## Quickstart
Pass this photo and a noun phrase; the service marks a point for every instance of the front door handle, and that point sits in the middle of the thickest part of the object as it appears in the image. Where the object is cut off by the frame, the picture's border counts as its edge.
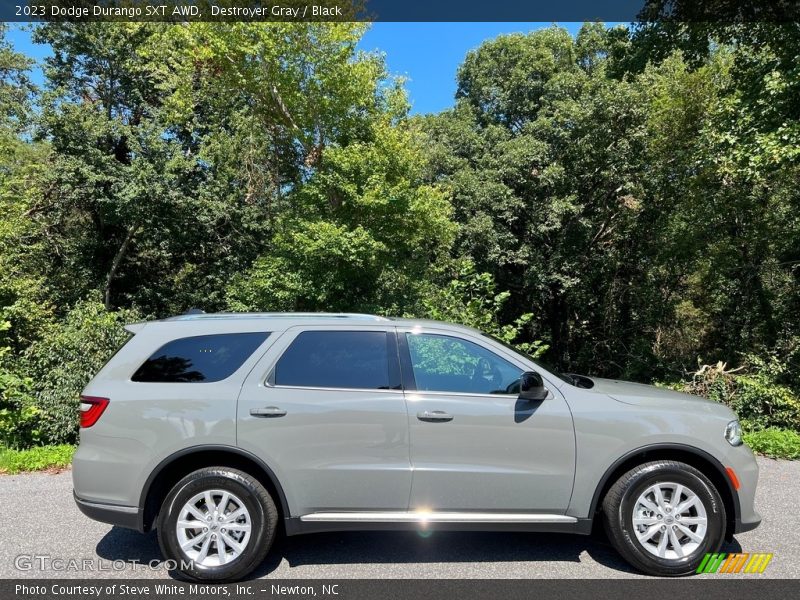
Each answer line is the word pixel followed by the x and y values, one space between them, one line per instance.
pixel 267 412
pixel 434 416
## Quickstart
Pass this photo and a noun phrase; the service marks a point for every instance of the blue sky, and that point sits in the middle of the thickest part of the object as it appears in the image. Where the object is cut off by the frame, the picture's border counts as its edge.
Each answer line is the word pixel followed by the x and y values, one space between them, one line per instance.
pixel 427 54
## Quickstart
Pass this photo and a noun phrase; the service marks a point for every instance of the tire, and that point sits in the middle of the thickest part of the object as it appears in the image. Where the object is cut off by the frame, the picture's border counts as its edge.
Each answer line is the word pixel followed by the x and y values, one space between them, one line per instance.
pixel 236 538
pixel 634 495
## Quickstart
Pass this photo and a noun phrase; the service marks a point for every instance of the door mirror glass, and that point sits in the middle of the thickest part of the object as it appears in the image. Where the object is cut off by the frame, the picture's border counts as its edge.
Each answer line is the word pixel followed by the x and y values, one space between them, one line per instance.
pixel 531 386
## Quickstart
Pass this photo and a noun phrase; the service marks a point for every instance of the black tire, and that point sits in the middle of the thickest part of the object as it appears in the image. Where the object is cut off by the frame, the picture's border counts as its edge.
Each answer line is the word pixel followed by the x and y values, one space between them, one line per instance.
pixel 259 504
pixel 618 507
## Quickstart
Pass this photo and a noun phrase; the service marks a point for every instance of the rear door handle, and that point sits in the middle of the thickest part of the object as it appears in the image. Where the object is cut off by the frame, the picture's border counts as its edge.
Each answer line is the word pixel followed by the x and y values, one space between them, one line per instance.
pixel 434 416
pixel 267 411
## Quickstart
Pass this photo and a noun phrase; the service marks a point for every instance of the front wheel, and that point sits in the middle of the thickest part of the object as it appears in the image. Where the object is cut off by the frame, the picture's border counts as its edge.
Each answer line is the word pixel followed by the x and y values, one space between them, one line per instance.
pixel 663 517
pixel 217 524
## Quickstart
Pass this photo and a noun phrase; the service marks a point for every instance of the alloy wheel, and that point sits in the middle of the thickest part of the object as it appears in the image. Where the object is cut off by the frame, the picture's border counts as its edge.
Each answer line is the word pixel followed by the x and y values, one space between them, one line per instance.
pixel 213 528
pixel 670 520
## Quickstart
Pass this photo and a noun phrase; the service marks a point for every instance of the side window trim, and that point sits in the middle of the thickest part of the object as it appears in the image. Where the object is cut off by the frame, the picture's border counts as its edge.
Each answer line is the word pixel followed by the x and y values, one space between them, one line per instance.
pixel 406 366
pixel 393 355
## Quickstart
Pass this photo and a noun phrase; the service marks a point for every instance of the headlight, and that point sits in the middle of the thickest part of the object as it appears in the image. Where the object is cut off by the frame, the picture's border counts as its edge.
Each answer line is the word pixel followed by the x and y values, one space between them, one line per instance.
pixel 733 433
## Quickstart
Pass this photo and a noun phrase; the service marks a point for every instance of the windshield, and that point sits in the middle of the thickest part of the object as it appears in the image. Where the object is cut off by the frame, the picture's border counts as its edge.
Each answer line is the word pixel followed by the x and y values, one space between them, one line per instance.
pixel 549 368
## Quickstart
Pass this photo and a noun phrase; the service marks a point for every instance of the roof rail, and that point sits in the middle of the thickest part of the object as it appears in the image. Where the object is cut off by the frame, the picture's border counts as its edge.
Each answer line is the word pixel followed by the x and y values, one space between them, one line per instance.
pixel 200 315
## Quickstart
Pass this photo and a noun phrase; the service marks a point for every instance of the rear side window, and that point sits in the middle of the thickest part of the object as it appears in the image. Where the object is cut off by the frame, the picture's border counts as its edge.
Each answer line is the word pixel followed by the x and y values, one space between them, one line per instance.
pixel 199 359
pixel 336 359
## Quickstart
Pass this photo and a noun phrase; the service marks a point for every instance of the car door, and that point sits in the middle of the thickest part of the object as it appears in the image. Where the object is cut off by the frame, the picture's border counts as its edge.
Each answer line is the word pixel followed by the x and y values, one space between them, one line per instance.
pixel 325 411
pixel 474 444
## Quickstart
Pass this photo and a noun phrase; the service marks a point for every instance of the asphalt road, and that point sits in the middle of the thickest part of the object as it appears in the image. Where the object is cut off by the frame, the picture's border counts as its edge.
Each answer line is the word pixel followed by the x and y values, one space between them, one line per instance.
pixel 39 518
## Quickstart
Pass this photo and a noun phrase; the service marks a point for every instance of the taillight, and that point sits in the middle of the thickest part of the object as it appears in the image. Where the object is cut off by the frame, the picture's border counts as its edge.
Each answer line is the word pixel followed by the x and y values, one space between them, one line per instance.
pixel 91 409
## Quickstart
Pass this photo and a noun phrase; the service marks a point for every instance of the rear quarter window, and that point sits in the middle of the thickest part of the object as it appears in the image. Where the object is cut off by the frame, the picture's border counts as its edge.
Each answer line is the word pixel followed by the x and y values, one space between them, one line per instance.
pixel 199 359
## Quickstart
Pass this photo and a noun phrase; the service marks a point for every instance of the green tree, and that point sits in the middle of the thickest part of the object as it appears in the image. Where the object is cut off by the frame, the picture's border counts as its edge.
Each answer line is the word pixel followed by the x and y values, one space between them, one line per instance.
pixel 634 189
pixel 120 190
pixel 353 225
pixel 23 300
pixel 541 156
pixel 366 234
pixel 724 139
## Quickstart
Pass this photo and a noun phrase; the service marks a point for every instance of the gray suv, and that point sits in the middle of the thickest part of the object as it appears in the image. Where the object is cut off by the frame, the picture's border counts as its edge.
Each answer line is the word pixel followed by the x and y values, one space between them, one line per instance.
pixel 217 429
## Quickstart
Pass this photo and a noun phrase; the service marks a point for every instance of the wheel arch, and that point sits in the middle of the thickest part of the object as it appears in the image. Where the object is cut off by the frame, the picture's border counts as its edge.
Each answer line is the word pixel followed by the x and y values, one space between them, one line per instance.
pixel 699 459
pixel 174 467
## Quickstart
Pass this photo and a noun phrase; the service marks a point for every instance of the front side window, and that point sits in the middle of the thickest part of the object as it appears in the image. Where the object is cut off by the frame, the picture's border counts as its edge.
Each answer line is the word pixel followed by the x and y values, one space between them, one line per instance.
pixel 200 358
pixel 336 359
pixel 447 364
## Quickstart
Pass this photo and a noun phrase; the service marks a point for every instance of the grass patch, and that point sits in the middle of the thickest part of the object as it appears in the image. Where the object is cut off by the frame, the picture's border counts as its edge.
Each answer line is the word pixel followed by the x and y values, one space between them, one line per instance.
pixel 775 443
pixel 35 459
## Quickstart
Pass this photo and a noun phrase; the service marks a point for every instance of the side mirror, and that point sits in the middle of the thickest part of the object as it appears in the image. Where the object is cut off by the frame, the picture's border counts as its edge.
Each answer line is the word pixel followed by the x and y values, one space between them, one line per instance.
pixel 531 387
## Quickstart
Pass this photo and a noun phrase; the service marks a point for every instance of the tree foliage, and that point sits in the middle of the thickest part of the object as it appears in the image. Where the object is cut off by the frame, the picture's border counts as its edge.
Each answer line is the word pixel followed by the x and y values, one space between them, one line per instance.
pixel 65 359
pixel 645 211
pixel 624 202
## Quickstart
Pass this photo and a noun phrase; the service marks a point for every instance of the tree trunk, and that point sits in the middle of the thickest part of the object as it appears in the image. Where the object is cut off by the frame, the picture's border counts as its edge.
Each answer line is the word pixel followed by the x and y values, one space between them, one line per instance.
pixel 116 263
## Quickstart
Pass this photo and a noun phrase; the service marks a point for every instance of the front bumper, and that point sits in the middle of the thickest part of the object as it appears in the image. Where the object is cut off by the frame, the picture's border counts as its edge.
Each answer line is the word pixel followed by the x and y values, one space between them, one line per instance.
pixel 743 526
pixel 744 464
pixel 129 517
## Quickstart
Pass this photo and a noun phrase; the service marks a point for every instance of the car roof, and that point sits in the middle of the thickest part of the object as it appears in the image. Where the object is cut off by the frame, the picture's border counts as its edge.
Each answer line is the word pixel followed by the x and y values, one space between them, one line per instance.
pixel 290 319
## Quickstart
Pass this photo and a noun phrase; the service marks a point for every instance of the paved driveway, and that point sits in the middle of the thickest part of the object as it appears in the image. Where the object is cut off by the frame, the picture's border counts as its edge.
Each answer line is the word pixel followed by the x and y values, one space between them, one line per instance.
pixel 39 518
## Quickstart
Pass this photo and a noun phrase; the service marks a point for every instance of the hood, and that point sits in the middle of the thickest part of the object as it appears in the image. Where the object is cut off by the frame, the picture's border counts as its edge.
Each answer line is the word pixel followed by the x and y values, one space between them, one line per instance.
pixel 639 394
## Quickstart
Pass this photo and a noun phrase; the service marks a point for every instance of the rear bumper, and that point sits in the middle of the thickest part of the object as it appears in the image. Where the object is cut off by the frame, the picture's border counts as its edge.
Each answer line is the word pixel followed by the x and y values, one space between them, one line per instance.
pixel 129 517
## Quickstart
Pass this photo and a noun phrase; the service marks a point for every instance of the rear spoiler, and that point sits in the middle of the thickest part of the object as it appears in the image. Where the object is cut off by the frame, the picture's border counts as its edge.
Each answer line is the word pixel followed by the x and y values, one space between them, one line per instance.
pixel 135 328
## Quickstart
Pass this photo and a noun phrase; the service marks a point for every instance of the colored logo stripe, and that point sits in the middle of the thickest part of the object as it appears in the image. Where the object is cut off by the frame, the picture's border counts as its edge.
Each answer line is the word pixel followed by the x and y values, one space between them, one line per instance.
pixel 703 564
pixel 734 563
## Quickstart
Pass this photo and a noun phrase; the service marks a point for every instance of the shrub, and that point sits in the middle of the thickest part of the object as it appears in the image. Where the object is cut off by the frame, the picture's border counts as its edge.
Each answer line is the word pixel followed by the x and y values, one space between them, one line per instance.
pixel 18 415
pixel 774 442
pixel 35 459
pixel 755 391
pixel 66 358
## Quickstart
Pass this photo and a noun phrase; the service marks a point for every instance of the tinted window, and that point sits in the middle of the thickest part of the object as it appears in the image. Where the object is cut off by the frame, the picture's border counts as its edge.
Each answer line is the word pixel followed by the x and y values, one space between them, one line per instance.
pixel 336 359
pixel 447 364
pixel 202 358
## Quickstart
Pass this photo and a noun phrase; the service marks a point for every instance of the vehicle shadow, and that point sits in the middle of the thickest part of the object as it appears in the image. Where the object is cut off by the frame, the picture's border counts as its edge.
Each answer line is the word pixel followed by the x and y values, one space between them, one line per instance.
pixel 353 548
pixel 364 548
pixel 129 546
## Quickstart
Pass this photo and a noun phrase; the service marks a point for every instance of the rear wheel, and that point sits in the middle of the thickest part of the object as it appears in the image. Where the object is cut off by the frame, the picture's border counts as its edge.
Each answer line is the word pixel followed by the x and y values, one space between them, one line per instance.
pixel 217 524
pixel 663 517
